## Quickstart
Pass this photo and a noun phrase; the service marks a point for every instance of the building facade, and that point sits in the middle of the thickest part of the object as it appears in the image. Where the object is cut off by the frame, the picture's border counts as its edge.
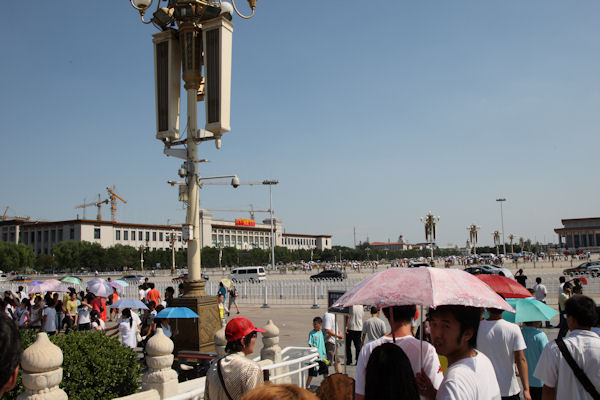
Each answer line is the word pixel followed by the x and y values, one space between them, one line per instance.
pixel 241 234
pixel 579 233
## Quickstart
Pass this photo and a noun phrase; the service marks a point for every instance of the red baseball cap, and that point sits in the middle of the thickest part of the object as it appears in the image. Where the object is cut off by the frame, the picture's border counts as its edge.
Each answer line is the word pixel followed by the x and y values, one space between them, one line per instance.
pixel 239 327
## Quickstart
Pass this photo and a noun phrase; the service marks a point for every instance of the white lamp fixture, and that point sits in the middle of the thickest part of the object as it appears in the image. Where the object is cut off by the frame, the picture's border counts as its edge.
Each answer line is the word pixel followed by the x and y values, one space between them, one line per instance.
pixel 217 37
pixel 167 71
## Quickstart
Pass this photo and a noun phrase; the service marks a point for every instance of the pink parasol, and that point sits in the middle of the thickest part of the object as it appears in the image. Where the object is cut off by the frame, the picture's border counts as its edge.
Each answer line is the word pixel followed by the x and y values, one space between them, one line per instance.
pixel 50 285
pixel 425 286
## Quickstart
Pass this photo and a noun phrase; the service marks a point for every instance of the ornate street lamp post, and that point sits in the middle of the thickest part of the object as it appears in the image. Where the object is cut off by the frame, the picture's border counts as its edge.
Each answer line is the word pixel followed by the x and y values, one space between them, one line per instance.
pixel 496 236
pixel 195 44
pixel 473 236
pixel 502 200
pixel 430 222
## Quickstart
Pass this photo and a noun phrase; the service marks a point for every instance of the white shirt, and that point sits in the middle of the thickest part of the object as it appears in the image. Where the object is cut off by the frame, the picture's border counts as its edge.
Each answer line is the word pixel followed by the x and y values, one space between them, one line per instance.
pixel 356 318
pixel 50 324
pixel 411 346
pixel 470 378
pixel 499 340
pixel 554 371
pixel 99 326
pixel 329 323
pixel 128 333
pixel 540 292
pixel 83 316
pixel 142 294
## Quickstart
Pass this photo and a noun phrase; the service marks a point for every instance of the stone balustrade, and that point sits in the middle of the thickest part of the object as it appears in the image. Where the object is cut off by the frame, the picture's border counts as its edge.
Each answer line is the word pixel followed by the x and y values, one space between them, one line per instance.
pixel 42 373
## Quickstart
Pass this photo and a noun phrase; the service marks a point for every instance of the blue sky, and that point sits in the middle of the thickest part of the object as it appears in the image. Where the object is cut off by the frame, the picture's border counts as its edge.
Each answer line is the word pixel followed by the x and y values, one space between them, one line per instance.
pixel 369 115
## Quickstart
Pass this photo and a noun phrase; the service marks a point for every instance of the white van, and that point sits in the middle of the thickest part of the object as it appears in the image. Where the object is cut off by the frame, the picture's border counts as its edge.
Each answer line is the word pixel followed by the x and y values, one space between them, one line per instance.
pixel 252 274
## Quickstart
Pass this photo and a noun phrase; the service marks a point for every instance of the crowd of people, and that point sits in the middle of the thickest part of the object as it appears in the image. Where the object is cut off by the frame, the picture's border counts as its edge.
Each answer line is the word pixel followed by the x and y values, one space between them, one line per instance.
pixel 465 352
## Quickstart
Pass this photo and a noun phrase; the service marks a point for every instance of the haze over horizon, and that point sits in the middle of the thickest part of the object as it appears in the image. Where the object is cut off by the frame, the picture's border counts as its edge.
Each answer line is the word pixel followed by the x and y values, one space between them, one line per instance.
pixel 368 116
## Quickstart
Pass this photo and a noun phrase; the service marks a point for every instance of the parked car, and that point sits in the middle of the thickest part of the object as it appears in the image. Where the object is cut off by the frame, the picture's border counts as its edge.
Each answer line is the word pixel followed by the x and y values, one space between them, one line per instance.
pixel 328 274
pixel 594 270
pixel 482 269
pixel 418 264
pixel 252 274
pixel 184 277
pixel 138 279
pixel 21 278
pixel 499 269
pixel 581 269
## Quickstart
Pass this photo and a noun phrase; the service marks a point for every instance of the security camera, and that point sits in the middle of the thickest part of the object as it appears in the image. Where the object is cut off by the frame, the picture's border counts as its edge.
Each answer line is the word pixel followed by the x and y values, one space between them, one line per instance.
pixel 235 181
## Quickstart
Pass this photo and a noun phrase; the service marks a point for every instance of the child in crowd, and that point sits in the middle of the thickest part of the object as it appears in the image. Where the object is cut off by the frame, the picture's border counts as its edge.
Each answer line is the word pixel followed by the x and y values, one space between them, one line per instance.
pixel 317 340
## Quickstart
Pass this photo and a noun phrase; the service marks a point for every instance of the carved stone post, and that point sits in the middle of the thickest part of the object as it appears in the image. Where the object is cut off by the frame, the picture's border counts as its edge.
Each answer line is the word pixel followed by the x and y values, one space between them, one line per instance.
pixel 159 359
pixel 42 372
pixel 220 342
pixel 271 350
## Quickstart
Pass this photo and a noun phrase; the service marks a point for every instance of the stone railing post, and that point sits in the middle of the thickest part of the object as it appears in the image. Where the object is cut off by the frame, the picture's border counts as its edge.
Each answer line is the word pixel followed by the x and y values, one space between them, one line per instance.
pixel 42 372
pixel 220 342
pixel 159 359
pixel 271 350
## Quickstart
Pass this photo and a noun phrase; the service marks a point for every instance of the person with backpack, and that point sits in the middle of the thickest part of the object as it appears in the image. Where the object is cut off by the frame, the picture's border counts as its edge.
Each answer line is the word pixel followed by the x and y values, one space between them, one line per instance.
pixel 233 294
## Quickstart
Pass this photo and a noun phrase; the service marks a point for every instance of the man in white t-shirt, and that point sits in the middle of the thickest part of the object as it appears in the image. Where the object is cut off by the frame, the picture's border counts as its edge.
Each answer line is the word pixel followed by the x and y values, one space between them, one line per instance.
pixel 583 345
pixel 49 318
pixel 402 331
pixel 502 342
pixel 540 293
pixel 540 290
pixel 470 374
pixel 330 330
pixel 354 325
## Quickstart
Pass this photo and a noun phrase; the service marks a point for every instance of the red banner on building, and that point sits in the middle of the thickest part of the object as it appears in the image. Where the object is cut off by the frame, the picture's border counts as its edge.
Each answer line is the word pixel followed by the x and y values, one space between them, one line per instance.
pixel 245 222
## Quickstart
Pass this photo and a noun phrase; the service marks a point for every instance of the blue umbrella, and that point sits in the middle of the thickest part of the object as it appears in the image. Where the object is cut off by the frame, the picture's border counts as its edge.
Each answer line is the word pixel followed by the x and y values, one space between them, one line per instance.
pixel 177 312
pixel 528 310
pixel 129 303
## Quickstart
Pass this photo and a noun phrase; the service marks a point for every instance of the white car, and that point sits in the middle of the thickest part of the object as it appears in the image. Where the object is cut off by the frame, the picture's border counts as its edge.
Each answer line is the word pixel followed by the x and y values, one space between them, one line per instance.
pixel 505 271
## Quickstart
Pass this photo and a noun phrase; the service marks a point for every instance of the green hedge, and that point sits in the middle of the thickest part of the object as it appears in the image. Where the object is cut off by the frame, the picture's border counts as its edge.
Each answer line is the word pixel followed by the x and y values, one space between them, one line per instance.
pixel 95 367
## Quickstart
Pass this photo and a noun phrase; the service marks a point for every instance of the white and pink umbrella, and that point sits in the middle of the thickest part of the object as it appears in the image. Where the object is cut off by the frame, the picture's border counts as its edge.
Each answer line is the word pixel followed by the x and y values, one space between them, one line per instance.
pixel 100 287
pixel 424 286
pixel 50 285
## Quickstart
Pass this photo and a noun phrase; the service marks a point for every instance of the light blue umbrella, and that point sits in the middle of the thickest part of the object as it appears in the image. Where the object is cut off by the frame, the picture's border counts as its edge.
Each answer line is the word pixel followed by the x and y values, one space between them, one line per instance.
pixel 528 310
pixel 177 312
pixel 121 282
pixel 129 303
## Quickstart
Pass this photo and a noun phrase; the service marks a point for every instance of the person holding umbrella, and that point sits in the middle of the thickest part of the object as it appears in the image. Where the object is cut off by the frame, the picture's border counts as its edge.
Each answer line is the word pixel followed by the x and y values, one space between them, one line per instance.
pixel 400 319
pixel 470 374
pixel 231 376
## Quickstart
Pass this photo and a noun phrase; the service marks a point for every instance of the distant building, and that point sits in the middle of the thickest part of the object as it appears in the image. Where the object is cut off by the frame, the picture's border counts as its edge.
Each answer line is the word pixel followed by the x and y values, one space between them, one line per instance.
pixel 242 234
pixel 579 233
pixel 400 245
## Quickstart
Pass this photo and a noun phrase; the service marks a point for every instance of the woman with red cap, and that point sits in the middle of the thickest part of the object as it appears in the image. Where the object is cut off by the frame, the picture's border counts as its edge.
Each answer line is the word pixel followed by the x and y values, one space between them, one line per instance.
pixel 231 376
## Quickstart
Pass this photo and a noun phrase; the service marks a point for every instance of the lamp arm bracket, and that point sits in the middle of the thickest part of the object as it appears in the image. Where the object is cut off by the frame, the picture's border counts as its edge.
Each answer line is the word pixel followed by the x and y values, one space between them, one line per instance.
pixel 240 14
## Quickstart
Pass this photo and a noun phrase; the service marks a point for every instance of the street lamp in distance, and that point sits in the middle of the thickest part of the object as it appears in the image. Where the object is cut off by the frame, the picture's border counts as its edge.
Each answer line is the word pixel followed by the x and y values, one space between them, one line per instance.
pixel 502 200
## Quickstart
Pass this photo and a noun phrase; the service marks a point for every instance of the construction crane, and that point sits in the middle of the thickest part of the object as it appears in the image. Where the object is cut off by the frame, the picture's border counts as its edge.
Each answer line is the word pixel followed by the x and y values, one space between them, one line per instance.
pixel 4 217
pixel 97 204
pixel 251 211
pixel 113 202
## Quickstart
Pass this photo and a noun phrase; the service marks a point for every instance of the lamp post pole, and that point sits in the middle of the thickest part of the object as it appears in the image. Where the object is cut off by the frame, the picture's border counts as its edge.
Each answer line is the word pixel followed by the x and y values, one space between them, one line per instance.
pixel 430 231
pixel 473 236
pixel 502 200
pixel 271 183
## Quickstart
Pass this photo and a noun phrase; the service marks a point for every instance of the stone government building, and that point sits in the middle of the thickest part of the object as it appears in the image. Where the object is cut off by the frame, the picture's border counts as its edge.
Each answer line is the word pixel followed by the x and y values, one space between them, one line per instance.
pixel 241 234
pixel 579 233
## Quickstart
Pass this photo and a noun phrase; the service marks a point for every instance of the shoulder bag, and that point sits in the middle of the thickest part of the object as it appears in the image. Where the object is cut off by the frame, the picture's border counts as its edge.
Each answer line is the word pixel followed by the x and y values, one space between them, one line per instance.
pixel 222 380
pixel 581 376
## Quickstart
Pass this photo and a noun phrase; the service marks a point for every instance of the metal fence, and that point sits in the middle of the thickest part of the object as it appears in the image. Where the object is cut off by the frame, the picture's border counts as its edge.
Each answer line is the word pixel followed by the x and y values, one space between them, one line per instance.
pixel 300 290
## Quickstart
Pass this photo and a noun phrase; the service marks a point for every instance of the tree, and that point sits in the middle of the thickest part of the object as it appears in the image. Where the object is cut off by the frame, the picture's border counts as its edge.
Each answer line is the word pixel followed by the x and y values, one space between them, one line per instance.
pixel 16 257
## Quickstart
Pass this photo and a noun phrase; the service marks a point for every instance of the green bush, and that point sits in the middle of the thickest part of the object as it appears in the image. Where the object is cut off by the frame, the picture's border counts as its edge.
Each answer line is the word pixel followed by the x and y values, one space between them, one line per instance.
pixel 94 366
